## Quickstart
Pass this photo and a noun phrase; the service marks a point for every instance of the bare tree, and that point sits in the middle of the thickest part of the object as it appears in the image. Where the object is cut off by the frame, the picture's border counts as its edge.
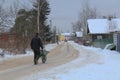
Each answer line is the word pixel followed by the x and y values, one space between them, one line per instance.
pixel 14 9
pixel 3 18
pixel 77 26
pixel 86 13
pixel 7 18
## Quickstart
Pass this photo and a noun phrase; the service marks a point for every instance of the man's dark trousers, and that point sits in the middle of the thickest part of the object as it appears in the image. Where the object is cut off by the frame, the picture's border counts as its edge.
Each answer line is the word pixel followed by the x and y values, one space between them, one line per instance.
pixel 36 55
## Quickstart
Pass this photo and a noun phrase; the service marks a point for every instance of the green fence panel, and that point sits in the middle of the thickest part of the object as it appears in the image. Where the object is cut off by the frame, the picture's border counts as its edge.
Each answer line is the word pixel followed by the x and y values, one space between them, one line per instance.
pixel 101 43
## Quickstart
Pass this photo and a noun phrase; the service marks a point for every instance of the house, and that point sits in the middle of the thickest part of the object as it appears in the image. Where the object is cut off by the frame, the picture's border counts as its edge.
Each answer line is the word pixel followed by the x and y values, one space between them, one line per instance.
pixel 61 37
pixel 79 34
pixel 99 32
pixel 79 37
pixel 67 36
pixel 104 31
pixel 7 40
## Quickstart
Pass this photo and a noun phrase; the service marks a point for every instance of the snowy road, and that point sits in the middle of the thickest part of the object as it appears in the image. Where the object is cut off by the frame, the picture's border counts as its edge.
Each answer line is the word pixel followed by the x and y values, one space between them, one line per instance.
pixel 13 69
pixel 68 61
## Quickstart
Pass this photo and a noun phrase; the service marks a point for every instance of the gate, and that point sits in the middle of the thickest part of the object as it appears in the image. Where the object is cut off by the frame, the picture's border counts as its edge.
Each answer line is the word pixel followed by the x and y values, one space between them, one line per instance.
pixel 118 43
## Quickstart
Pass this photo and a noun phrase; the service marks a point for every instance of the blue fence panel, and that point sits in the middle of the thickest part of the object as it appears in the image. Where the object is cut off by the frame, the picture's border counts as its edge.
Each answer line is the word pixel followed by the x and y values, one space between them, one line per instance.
pixel 118 43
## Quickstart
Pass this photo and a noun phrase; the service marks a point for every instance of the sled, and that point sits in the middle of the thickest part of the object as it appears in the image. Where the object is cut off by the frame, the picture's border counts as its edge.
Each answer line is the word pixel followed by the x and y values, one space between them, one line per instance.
pixel 43 55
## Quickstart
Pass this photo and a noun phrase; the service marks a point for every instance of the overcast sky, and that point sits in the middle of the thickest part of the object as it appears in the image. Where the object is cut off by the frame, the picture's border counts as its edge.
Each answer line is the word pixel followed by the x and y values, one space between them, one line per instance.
pixel 65 12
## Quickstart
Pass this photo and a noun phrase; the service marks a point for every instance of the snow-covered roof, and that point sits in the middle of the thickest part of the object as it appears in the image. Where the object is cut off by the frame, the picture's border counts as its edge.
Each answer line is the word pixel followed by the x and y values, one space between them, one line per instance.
pixel 66 34
pixel 79 34
pixel 103 26
pixel 97 26
pixel 114 25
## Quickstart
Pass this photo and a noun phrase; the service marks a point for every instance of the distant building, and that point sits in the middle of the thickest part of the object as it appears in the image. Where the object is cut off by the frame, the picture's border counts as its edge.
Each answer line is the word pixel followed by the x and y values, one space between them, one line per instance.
pixel 7 40
pixel 79 34
pixel 66 36
pixel 61 37
pixel 78 37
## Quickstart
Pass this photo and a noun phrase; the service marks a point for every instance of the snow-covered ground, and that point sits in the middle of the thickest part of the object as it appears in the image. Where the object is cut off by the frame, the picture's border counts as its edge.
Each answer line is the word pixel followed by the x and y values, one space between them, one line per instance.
pixel 28 52
pixel 108 67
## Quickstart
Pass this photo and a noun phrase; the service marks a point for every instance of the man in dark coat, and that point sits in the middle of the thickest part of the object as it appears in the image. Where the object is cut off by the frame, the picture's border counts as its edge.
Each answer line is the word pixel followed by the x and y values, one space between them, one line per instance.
pixel 36 44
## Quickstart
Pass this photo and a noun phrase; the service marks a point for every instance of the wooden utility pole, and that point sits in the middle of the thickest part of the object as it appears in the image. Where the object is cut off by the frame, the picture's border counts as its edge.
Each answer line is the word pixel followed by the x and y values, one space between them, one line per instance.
pixel 38 19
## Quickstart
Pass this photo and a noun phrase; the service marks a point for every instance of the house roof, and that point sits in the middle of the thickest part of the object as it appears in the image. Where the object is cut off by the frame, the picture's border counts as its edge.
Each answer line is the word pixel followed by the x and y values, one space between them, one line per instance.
pixel 66 34
pixel 97 26
pixel 114 25
pixel 103 26
pixel 79 34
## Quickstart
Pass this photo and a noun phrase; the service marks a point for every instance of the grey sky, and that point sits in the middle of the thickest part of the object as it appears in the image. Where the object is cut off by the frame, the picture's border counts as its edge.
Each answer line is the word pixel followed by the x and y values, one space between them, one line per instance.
pixel 64 12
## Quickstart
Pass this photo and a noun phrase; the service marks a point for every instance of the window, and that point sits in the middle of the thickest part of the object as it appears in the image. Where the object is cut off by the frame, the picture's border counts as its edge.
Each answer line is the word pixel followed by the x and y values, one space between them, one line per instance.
pixel 99 37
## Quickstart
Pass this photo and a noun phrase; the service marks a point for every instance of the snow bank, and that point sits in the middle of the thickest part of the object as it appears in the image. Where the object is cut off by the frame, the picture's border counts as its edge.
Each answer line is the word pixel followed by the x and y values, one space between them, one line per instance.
pixel 28 52
pixel 108 69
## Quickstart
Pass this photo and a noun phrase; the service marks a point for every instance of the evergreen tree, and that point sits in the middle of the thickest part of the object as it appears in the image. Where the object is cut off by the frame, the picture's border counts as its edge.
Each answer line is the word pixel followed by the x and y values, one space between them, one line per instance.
pixel 26 23
pixel 27 20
